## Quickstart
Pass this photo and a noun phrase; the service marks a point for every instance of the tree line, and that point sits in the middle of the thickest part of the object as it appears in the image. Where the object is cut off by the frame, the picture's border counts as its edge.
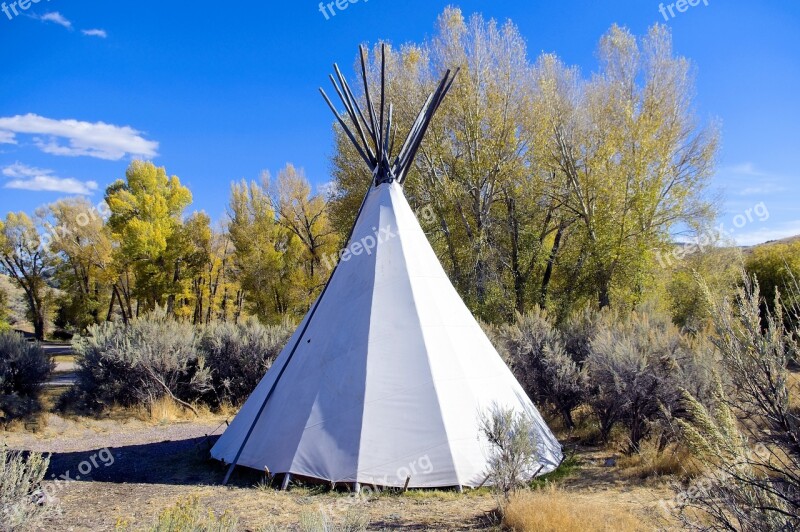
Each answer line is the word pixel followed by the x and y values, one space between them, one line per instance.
pixel 79 264
pixel 543 188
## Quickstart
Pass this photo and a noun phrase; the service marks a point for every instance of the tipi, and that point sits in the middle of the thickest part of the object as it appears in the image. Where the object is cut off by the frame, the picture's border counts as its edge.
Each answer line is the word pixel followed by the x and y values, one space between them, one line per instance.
pixel 386 378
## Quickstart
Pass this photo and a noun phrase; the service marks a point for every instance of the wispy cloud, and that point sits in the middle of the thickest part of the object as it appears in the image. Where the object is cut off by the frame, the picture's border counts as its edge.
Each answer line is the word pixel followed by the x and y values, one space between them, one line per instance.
pixel 95 33
pixel 24 177
pixel 56 18
pixel 91 139
pixel 762 190
pixel 7 137
pixel 747 179
pixel 747 168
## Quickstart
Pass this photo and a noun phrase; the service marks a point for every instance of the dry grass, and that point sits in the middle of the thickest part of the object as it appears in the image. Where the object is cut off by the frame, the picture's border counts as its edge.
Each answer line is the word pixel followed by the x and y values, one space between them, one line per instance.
pixel 794 391
pixel 164 411
pixel 675 460
pixel 64 359
pixel 555 510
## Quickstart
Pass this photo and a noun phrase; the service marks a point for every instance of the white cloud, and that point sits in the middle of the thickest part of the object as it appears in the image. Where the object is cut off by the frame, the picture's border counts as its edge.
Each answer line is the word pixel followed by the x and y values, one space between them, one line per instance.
pixel 7 137
pixel 747 179
pixel 91 139
pixel 26 177
pixel 23 170
pixel 745 169
pixel 95 33
pixel 766 234
pixel 762 190
pixel 56 18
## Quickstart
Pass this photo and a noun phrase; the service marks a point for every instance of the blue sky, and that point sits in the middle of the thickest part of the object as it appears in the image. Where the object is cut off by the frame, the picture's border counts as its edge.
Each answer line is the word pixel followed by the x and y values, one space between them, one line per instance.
pixel 220 91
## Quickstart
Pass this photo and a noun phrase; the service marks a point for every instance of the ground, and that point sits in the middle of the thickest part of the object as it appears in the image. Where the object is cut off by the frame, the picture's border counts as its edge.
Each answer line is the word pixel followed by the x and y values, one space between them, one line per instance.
pixel 149 465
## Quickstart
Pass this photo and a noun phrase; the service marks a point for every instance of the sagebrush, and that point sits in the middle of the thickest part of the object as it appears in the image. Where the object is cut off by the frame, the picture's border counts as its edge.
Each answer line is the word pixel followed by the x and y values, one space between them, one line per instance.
pixel 239 355
pixel 141 362
pixel 24 368
pixel 23 502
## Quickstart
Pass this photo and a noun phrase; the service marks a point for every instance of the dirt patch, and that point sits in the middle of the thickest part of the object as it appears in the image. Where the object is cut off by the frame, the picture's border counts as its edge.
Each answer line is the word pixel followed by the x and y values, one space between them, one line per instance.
pixel 131 470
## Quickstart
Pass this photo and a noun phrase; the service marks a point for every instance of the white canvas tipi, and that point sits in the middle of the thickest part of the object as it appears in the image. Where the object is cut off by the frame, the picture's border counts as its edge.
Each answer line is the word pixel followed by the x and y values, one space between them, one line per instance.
pixel 386 379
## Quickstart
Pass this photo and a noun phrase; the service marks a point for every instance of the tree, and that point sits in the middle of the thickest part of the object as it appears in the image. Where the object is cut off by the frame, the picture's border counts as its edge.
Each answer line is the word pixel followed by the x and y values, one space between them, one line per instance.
pixel 146 219
pixel 23 257
pixel 265 257
pixel 632 159
pixel 305 216
pixel 83 262
pixel 545 184
pixel 189 250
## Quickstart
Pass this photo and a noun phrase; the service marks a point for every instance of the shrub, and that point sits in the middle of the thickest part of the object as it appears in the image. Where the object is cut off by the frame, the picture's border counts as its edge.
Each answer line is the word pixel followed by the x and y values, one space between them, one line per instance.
pixel 542 365
pixel 152 357
pixel 24 368
pixel 775 266
pixel 638 368
pixel 514 454
pixel 754 478
pixel 578 330
pixel 23 503
pixel 239 356
pixel 188 515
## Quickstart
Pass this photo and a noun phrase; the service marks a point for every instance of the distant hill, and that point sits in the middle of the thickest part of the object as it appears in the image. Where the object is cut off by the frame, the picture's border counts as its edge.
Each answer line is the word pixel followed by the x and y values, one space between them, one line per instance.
pixel 787 240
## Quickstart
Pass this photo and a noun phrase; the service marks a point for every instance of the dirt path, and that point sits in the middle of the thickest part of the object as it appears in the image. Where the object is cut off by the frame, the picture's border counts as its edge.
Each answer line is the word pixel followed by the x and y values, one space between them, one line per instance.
pixel 64 372
pixel 105 472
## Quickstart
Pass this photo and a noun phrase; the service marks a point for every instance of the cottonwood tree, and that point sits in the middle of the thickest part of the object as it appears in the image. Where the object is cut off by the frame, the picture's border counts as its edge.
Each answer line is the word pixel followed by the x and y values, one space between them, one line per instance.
pixel 29 263
pixel 146 223
pixel 84 266
pixel 633 158
pixel 214 289
pixel 305 216
pixel 557 188
pixel 265 255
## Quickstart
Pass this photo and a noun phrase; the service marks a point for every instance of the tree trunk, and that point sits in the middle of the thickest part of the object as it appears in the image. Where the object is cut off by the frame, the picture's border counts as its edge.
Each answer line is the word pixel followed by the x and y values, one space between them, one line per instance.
pixel 39 322
pixel 566 413
pixel 110 313
pixel 551 260
pixel 605 298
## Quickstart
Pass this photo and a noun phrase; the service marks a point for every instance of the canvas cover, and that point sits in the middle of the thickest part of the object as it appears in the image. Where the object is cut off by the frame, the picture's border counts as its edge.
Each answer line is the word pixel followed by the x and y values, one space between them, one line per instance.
pixel 391 377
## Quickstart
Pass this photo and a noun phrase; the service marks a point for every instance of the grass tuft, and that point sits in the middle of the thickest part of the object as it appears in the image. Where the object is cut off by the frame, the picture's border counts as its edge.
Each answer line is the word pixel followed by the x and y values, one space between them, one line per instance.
pixel 554 510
